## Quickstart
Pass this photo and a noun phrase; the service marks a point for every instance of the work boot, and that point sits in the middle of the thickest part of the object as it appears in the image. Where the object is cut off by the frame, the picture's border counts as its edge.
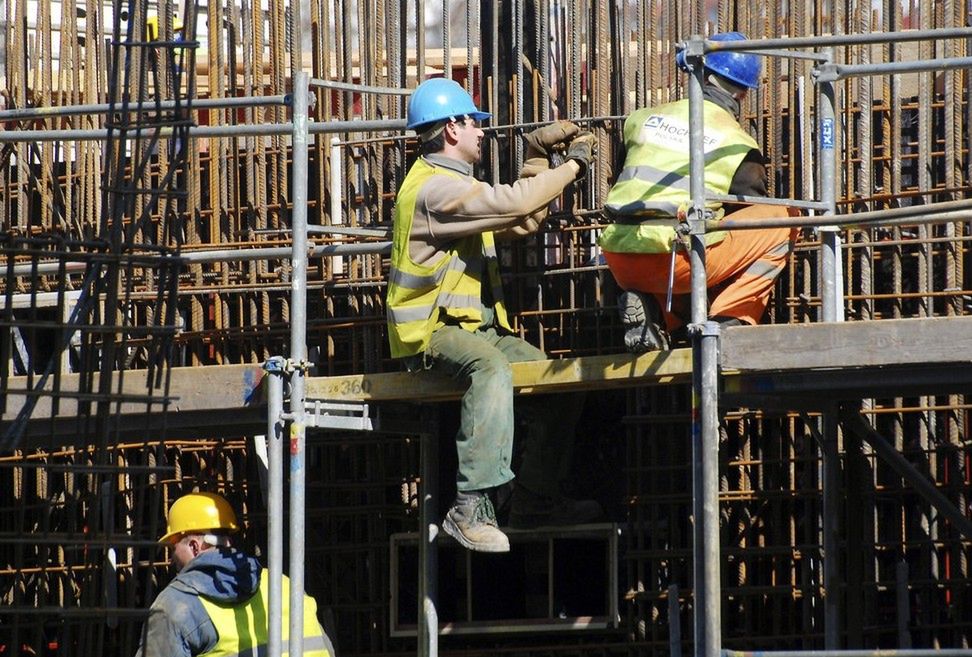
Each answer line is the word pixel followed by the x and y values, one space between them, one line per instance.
pixel 472 522
pixel 531 510
pixel 641 319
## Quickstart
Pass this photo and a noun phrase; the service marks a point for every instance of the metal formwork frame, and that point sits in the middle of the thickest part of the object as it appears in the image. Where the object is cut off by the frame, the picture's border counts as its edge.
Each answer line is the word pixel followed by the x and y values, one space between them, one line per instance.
pixel 707 340
pixel 705 334
pixel 295 421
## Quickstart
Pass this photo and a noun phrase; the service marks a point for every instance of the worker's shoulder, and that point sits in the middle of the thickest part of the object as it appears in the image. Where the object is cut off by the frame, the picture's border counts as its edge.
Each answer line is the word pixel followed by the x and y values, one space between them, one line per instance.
pixel 443 186
pixel 660 108
pixel 182 608
pixel 175 596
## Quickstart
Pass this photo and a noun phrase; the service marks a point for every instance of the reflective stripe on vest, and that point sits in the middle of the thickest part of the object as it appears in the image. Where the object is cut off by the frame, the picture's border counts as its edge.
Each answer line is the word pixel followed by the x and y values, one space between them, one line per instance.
pixel 655 183
pixel 242 628
pixel 421 297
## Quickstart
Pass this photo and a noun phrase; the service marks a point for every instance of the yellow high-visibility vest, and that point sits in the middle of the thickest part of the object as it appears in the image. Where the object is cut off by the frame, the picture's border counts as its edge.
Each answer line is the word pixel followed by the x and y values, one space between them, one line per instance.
pixel 422 297
pixel 654 183
pixel 242 628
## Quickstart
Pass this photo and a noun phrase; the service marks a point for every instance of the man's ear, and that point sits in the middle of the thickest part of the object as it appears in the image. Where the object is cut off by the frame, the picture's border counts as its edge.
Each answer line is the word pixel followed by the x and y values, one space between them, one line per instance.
pixel 451 132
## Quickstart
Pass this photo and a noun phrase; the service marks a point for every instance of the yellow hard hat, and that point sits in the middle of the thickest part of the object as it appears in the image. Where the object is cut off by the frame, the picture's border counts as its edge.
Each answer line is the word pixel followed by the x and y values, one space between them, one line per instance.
pixel 198 513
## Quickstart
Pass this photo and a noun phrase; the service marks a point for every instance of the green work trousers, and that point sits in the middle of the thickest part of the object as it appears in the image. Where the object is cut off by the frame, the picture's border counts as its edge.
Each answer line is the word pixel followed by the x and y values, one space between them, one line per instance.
pixel 484 442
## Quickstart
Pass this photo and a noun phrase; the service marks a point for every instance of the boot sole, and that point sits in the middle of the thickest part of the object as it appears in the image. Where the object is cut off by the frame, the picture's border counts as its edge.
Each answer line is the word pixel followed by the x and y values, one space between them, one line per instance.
pixel 450 528
pixel 631 309
pixel 642 334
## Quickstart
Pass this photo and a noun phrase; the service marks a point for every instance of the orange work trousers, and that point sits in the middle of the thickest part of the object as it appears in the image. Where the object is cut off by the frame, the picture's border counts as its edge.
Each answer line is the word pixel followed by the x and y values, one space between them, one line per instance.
pixel 740 270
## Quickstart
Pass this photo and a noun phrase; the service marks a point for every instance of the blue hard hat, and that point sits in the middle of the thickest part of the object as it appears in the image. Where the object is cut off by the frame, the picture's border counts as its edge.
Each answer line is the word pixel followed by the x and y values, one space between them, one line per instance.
pixel 739 67
pixel 439 99
pixel 742 68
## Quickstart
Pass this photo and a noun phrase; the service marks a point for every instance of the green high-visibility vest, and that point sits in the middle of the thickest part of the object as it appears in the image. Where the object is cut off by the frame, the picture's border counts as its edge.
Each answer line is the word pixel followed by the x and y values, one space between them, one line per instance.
pixel 243 629
pixel 654 183
pixel 422 298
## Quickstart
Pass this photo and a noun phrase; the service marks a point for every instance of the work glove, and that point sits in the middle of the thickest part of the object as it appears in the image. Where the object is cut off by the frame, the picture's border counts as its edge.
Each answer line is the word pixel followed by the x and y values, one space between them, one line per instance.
pixel 581 150
pixel 545 140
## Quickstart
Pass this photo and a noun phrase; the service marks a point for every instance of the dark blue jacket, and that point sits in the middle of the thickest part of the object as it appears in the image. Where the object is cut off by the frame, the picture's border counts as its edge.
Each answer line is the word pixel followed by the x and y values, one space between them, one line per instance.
pixel 178 625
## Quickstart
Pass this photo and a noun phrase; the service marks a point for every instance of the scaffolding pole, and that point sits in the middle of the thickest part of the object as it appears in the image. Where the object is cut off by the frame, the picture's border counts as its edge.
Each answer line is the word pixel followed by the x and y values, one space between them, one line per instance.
pixel 428 617
pixel 256 130
pixel 275 429
pixel 831 311
pixel 705 399
pixel 298 360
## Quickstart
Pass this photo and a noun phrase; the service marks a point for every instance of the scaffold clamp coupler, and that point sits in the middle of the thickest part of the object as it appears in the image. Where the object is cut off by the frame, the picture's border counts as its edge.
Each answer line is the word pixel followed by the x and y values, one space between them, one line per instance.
pixel 691 52
pixel 288 100
pixel 295 365
pixel 825 72
pixel 682 228
pixel 705 329
pixel 695 221
pixel 275 365
pixel 281 365
pixel 710 329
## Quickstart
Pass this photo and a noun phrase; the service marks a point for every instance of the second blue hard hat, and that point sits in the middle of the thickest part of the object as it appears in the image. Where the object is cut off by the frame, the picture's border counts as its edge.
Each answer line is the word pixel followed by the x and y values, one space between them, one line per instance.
pixel 741 68
pixel 439 99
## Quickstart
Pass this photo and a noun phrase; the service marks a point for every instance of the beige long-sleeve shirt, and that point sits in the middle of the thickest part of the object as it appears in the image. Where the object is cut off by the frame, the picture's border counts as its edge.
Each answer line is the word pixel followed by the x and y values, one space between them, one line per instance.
pixel 449 208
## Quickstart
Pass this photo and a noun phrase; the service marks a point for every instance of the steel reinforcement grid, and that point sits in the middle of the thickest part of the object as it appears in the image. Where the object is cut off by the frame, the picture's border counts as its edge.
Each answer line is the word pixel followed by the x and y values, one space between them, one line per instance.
pixel 78 522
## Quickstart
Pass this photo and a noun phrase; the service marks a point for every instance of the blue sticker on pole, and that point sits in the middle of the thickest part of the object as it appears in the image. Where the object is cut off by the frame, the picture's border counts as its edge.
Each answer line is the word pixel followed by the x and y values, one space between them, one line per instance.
pixel 827 134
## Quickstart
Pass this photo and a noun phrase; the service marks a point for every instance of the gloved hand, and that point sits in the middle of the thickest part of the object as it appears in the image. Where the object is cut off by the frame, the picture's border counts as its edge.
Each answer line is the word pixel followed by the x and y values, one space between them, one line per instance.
pixel 581 150
pixel 543 140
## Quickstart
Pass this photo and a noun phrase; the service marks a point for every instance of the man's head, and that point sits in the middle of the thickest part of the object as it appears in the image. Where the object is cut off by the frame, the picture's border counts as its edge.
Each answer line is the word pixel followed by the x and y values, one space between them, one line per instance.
pixel 197 522
pixel 732 71
pixel 446 119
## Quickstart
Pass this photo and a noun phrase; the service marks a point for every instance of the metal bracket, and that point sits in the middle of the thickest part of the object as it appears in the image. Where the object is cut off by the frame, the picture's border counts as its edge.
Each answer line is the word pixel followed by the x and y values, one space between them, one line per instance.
pixel 826 73
pixel 281 365
pixel 275 365
pixel 706 329
pixel 336 415
pixel 691 50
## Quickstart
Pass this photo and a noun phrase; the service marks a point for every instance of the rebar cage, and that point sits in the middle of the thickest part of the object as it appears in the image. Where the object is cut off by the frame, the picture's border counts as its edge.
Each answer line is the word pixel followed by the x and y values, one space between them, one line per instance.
pixel 94 227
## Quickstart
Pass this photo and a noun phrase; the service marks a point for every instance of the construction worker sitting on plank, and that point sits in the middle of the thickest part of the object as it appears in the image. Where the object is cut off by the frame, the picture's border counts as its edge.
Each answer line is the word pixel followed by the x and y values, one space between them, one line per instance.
pixel 648 259
pixel 217 605
pixel 446 314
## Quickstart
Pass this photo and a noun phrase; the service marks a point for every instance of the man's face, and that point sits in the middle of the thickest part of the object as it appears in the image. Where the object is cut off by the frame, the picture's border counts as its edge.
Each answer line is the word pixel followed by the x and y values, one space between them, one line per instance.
pixel 469 139
pixel 184 551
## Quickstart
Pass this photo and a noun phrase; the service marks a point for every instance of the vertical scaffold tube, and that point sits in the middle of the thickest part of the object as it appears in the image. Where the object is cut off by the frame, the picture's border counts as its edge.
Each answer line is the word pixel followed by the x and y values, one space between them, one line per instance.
pixel 428 622
pixel 832 507
pixel 337 185
pixel 298 355
pixel 830 295
pixel 696 213
pixel 275 429
pixel 705 402
pixel 831 311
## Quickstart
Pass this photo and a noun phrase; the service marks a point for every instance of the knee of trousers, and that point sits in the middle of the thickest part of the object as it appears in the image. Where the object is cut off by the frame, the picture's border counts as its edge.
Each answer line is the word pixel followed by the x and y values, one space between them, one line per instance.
pixel 494 374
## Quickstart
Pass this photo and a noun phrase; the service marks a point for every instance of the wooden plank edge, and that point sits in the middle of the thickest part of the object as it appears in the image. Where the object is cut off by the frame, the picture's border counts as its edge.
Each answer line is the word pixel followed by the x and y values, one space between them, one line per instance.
pixel 580 373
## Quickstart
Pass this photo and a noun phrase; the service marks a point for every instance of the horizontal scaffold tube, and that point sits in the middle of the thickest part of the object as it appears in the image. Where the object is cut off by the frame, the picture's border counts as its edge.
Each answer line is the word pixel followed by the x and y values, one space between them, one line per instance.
pixel 915 214
pixel 224 255
pixel 839 39
pixel 942 652
pixel 102 108
pixel 250 130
